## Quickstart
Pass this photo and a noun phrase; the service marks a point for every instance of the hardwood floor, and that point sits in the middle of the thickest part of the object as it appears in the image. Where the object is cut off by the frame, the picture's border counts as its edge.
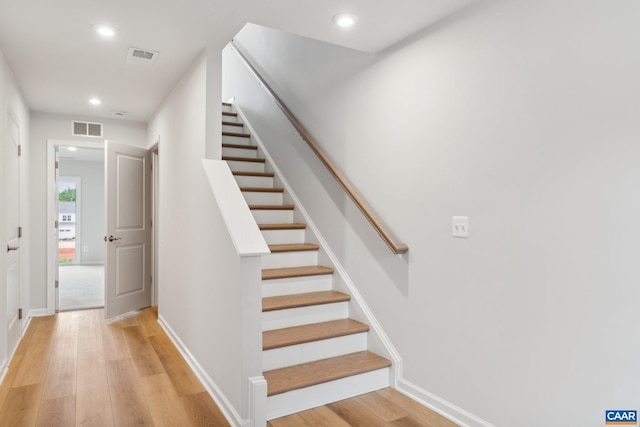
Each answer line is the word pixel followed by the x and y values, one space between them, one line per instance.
pixel 75 369
pixel 382 408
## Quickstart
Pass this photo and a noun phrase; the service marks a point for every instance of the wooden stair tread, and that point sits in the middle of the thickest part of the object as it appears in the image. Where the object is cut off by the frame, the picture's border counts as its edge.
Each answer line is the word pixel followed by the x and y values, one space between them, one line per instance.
pixel 308 333
pixel 226 113
pixel 240 146
pixel 294 226
pixel 264 174
pixel 242 159
pixel 232 124
pixel 238 134
pixel 321 371
pixel 283 273
pixel 293 247
pixel 308 299
pixel 262 190
pixel 272 207
pixel 226 104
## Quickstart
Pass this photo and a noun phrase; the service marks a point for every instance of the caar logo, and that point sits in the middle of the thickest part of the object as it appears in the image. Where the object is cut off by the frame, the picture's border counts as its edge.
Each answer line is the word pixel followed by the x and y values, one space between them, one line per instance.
pixel 621 418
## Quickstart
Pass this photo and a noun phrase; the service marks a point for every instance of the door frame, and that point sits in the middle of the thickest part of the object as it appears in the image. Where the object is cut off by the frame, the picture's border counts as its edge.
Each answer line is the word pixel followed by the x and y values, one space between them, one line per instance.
pixel 52 191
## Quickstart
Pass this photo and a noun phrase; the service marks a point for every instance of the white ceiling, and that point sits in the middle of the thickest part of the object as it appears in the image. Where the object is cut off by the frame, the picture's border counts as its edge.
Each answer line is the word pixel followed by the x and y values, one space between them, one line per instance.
pixel 59 62
pixel 82 154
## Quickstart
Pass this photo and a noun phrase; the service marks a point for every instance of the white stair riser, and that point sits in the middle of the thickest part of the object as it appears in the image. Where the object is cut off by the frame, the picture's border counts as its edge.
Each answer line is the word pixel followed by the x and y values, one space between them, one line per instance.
pixel 279 319
pixel 254 181
pixel 258 198
pixel 323 394
pixel 312 351
pixel 245 166
pixel 296 285
pixel 232 128
pixel 226 139
pixel 234 119
pixel 273 216
pixel 290 259
pixel 227 108
pixel 239 152
pixel 279 237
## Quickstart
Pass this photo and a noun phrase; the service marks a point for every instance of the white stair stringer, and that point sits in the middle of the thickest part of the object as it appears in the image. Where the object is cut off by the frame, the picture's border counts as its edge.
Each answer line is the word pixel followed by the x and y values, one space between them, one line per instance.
pixel 293 355
pixel 302 399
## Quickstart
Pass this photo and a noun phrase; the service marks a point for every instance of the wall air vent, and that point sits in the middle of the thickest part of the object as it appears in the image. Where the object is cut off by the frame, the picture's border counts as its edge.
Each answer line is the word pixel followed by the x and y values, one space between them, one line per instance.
pixel 141 56
pixel 86 129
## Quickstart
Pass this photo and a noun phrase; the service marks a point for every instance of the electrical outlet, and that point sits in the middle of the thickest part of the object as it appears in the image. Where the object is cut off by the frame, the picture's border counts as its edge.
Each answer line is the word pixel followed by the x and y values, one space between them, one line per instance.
pixel 460 227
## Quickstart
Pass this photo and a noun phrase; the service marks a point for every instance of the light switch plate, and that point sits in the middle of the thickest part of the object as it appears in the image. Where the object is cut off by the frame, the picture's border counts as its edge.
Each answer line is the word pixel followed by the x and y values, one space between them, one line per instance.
pixel 460 227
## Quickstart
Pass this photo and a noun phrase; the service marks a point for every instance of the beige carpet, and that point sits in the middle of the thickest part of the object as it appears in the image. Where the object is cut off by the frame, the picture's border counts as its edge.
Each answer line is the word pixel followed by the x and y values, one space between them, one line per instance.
pixel 81 286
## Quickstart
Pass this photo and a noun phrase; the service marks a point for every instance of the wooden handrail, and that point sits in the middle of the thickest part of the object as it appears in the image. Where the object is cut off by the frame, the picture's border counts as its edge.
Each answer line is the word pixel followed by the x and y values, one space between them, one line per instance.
pixel 389 238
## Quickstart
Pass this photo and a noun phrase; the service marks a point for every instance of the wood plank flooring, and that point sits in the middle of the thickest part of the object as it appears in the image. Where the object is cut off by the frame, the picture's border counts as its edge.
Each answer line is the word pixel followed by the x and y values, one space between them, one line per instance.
pixel 75 369
pixel 382 408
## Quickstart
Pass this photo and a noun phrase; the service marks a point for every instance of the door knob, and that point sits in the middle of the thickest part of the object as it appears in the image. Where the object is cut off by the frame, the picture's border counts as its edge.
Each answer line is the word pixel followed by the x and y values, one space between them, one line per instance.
pixel 111 238
pixel 12 248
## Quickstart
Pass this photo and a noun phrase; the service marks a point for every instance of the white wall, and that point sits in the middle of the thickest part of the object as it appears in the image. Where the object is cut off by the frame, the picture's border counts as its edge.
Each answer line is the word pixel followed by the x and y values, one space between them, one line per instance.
pixel 12 102
pixel 524 116
pixel 92 224
pixel 199 270
pixel 44 127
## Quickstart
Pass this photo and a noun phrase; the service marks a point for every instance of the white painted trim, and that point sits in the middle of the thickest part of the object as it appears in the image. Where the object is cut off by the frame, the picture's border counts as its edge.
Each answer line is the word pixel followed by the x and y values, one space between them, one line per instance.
pixel 52 144
pixel 441 406
pixel 212 388
pixel 241 225
pixel 4 368
pixel 38 312
pixel 356 297
pixel 258 401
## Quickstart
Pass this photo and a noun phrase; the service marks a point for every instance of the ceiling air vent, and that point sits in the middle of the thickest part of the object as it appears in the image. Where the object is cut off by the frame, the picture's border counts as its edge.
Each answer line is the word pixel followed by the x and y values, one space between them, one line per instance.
pixel 141 56
pixel 87 129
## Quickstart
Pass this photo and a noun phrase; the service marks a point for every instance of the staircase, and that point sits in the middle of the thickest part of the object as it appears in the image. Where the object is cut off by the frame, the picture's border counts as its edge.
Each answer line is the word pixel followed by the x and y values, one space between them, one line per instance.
pixel 313 353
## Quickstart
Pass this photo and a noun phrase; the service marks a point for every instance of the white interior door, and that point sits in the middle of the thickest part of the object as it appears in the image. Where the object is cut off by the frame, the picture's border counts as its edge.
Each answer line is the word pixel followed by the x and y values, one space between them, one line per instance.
pixel 128 238
pixel 12 217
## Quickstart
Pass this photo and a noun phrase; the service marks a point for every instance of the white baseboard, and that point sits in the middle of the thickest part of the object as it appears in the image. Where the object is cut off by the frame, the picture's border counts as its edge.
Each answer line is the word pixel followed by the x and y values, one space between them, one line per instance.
pixel 4 367
pixel 441 406
pixel 212 388
pixel 37 312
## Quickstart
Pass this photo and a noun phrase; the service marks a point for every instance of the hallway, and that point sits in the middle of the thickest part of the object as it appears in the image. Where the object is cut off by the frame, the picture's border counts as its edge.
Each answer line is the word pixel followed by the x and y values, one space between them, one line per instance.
pixel 76 369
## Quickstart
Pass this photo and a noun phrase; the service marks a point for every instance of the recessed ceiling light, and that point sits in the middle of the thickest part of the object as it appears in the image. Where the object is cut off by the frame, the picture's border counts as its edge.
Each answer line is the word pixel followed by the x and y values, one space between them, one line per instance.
pixel 72 148
pixel 105 31
pixel 345 20
pixel 95 101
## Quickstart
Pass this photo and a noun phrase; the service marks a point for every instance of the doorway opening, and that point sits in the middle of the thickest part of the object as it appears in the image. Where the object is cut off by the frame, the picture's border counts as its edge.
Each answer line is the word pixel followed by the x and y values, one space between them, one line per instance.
pixel 80 216
pixel 68 218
